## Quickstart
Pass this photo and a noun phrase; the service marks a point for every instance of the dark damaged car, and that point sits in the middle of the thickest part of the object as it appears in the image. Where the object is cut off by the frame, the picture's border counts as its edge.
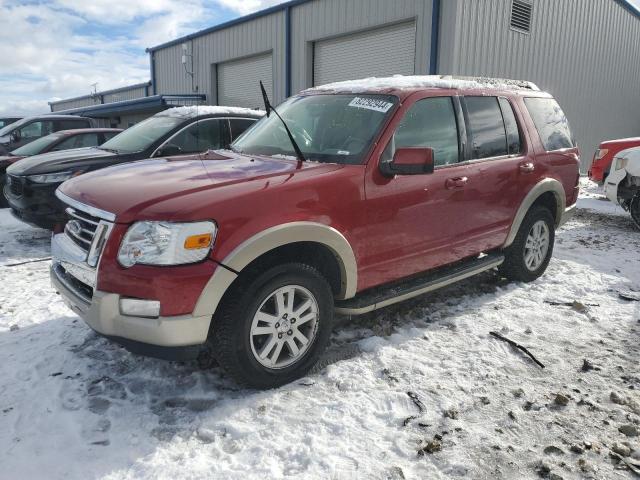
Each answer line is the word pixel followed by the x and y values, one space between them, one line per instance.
pixel 31 183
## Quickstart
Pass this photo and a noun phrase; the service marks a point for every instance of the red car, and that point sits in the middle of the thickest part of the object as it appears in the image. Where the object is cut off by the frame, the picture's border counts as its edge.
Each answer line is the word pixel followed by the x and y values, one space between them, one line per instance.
pixel 375 191
pixel 602 159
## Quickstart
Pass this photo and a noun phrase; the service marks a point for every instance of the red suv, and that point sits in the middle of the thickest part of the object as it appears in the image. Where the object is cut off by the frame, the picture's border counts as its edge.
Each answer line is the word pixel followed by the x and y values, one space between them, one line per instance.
pixel 395 187
pixel 601 165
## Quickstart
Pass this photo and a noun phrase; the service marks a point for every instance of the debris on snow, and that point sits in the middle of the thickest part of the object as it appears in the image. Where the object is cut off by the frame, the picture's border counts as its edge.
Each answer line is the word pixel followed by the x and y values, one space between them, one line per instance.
pixel 517 346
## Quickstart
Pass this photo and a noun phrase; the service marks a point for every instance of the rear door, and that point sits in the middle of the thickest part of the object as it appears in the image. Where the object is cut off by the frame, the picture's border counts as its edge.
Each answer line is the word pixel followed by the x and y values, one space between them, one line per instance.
pixel 500 170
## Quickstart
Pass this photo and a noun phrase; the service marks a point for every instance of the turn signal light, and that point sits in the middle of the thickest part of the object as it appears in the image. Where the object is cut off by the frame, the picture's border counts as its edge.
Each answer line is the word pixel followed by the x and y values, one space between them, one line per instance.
pixel 196 242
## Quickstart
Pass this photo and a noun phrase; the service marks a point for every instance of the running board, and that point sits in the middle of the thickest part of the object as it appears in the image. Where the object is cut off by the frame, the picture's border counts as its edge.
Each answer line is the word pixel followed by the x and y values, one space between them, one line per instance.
pixel 386 295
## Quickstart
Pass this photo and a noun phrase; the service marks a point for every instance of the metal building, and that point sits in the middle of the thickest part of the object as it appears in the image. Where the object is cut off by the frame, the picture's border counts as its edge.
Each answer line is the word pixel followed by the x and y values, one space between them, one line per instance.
pixel 585 52
pixel 122 107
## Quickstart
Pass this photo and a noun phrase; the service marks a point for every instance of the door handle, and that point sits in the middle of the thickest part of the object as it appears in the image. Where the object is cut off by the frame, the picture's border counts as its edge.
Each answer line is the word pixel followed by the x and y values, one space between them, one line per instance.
pixel 527 167
pixel 458 182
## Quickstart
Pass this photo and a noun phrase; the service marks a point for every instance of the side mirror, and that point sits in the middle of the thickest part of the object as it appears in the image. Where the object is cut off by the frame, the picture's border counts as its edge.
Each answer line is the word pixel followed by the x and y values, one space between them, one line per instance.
pixel 409 161
pixel 168 150
pixel 15 136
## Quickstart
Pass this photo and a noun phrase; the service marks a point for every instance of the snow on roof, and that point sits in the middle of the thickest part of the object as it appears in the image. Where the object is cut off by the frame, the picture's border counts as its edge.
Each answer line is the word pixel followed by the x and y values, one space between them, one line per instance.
pixel 402 82
pixel 194 110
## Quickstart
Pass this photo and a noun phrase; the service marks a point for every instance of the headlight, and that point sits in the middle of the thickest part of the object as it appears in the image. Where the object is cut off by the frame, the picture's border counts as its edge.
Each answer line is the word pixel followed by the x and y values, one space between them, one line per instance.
pixel 166 243
pixel 621 163
pixel 58 177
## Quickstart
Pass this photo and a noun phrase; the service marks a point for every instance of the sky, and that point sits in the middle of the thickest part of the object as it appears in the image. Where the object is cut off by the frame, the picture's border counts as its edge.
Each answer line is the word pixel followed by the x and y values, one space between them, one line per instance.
pixel 57 49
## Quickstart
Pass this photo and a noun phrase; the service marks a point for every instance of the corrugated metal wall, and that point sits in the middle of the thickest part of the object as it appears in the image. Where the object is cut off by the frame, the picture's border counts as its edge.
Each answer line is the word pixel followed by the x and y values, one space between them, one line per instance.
pixel 323 19
pixel 261 35
pixel 128 94
pixel 312 21
pixel 108 96
pixel 586 53
pixel 75 103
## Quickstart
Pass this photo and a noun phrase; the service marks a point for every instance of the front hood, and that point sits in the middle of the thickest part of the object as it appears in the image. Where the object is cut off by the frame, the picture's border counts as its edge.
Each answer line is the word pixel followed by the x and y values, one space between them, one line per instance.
pixel 57 161
pixel 7 160
pixel 131 190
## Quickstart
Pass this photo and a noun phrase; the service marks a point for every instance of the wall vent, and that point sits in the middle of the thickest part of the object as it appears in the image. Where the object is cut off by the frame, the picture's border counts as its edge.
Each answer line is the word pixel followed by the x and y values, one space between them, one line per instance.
pixel 521 14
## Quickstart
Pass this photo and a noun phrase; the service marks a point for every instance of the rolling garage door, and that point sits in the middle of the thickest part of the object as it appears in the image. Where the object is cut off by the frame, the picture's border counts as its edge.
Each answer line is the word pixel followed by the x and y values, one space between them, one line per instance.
pixel 376 53
pixel 238 81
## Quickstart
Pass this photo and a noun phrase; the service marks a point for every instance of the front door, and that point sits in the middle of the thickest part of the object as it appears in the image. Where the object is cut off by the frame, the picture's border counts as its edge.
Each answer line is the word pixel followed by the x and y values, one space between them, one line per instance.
pixel 417 222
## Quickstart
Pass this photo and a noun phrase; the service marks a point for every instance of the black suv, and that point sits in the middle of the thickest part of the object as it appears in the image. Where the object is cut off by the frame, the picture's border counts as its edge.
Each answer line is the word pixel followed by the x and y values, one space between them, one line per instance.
pixel 31 183
pixel 28 129
pixel 4 121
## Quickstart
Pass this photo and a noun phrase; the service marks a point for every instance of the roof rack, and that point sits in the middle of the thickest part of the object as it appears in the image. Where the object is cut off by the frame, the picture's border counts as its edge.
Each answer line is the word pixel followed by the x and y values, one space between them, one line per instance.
pixel 496 82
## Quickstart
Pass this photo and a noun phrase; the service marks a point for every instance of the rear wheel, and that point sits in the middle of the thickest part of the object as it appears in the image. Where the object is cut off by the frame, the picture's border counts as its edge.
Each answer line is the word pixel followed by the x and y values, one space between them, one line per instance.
pixel 528 256
pixel 273 327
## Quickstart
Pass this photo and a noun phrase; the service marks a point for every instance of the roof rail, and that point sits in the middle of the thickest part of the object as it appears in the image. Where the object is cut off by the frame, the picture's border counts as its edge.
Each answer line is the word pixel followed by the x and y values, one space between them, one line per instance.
pixel 496 82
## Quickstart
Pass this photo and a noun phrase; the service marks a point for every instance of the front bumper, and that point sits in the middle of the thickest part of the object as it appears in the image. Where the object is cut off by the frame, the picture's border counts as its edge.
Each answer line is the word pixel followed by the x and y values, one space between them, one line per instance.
pixel 172 337
pixel 35 204
pixel 102 313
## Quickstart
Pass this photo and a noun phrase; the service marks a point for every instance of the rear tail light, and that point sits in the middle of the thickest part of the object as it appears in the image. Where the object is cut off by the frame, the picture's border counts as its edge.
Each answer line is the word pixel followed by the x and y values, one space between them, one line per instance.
pixel 601 152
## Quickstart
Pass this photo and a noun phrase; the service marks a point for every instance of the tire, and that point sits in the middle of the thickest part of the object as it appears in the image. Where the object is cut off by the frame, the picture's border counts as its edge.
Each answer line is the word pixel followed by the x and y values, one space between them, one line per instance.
pixel 634 210
pixel 251 318
pixel 517 265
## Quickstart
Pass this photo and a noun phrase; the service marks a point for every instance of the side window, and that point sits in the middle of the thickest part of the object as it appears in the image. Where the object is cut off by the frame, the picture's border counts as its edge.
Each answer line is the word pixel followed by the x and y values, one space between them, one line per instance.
pixel 199 137
pixel 36 129
pixel 428 123
pixel 551 123
pixel 238 126
pixel 109 135
pixel 71 124
pixel 78 141
pixel 514 144
pixel 489 138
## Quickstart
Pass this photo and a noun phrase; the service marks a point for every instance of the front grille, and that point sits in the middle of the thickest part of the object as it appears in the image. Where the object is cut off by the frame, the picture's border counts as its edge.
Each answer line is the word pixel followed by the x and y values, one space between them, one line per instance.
pixel 81 228
pixel 80 289
pixel 15 186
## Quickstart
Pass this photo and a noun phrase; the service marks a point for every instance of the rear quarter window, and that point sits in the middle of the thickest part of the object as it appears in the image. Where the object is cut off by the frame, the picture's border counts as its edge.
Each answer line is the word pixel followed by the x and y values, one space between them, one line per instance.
pixel 551 123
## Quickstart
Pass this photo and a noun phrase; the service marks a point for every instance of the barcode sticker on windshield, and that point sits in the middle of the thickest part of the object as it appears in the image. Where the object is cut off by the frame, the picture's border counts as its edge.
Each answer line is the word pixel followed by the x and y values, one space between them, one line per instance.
pixel 371 104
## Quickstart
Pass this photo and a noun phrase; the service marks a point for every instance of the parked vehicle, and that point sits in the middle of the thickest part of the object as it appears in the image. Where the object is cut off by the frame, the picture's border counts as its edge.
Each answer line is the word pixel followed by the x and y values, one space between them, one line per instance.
pixel 4 121
pixel 395 187
pixel 622 186
pixel 31 183
pixel 63 140
pixel 602 159
pixel 28 129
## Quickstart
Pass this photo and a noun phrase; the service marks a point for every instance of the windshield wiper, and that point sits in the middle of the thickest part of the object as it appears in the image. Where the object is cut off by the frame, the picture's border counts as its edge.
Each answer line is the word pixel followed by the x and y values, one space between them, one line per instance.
pixel 268 108
pixel 112 150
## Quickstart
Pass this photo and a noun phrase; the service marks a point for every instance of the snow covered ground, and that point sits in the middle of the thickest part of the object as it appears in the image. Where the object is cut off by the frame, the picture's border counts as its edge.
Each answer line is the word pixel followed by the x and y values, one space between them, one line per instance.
pixel 420 390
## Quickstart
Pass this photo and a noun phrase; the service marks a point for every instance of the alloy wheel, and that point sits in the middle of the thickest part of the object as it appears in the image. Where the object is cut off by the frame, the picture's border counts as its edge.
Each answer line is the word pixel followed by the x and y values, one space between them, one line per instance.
pixel 284 327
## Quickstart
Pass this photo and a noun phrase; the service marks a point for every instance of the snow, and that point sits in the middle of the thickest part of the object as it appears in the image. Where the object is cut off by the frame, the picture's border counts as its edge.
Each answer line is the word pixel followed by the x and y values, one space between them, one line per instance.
pixel 402 82
pixel 208 110
pixel 75 406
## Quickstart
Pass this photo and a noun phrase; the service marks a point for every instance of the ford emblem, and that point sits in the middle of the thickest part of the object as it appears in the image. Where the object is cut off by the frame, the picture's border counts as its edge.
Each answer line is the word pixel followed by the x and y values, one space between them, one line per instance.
pixel 74 227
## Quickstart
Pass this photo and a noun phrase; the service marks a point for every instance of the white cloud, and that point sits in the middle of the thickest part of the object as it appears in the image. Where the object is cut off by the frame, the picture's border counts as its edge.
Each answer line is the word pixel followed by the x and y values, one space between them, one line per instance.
pixel 57 49
pixel 244 7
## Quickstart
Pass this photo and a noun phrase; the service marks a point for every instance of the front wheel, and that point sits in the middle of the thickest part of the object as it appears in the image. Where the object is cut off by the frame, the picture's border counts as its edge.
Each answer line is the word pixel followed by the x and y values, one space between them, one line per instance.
pixel 634 210
pixel 528 256
pixel 273 327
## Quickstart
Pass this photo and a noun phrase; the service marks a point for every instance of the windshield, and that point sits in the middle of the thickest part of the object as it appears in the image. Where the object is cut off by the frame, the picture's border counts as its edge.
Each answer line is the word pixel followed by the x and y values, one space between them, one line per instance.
pixel 327 128
pixel 142 135
pixel 37 146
